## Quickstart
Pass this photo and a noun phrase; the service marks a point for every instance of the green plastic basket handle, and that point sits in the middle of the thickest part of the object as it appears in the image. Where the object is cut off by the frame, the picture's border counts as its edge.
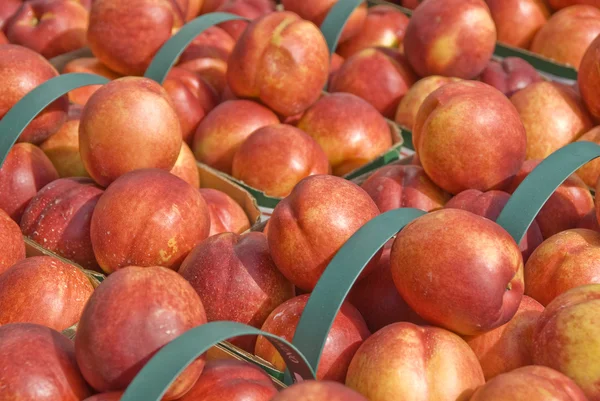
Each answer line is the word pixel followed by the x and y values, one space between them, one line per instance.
pixel 25 110
pixel 167 364
pixel 336 19
pixel 166 57
pixel 531 195
pixel 339 277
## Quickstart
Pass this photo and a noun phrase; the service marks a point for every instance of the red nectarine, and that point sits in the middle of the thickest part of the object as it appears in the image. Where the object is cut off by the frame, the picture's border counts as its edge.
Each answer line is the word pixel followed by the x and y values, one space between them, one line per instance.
pixel 471 284
pixel 43 290
pixel 275 158
pixel 347 333
pixel 237 280
pixel 148 218
pixel 128 124
pixel 308 227
pixel 146 307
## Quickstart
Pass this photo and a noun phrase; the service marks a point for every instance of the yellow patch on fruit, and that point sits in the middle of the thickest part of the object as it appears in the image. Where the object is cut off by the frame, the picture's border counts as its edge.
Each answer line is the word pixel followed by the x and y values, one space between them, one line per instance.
pixel 276 36
pixel 581 341
pixel 172 249
pixel 444 50
pixel 46 16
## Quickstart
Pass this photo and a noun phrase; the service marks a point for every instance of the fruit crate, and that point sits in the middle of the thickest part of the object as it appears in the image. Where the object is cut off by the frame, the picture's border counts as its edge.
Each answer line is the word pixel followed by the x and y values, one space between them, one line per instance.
pixel 302 355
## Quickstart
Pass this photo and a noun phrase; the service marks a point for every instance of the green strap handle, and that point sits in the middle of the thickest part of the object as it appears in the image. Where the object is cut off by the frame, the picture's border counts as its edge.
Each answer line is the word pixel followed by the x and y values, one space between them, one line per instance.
pixel 531 195
pixel 25 110
pixel 336 20
pixel 334 23
pixel 339 277
pixel 166 57
pixel 166 365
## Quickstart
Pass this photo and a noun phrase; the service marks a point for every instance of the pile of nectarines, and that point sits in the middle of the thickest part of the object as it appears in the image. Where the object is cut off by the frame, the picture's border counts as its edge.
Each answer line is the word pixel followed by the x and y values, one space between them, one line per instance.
pixel 107 180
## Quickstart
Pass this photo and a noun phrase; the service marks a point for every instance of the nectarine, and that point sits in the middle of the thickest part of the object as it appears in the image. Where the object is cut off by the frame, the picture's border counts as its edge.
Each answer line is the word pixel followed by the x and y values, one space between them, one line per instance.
pixel 128 124
pixel 22 70
pixel 147 307
pixel 43 290
pixel 471 284
pixel 287 84
pixel 347 333
pixel 308 227
pixel 349 129
pixel 25 171
pixel 237 280
pixel 148 217
pixel 381 76
pixel 454 38
pixel 275 158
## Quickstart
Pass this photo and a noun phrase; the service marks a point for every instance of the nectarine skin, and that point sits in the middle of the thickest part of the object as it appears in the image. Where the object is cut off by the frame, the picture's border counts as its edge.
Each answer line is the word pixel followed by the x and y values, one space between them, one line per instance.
pixel 110 396
pixel 249 9
pixel 384 27
pixel 588 78
pixel 464 142
pixel 62 148
pixel 192 99
pixel 185 167
pixel 308 227
pixel 508 347
pixel 469 248
pixel 590 222
pixel 590 172
pixel 564 261
pixel 378 300
pixel 28 293
pixel 275 158
pixel 128 124
pixel 226 215
pixel 565 208
pixel 12 246
pixel 454 38
pixel 59 217
pixel 567 337
pixel 148 307
pixel 231 380
pixel 530 383
pixel 39 364
pixel 558 4
pixel 126 34
pixel 553 116
pixel 258 68
pixel 225 128
pixel 429 363
pixel 381 76
pixel 349 129
pixel 49 27
pixel 25 171
pixel 347 333
pixel 397 186
pixel 409 105
pixel 237 280
pixel 22 70
pixel 567 34
pixel 89 65
pixel 517 21
pixel 318 390
pixel 148 218
pixel 510 75
pixel 489 205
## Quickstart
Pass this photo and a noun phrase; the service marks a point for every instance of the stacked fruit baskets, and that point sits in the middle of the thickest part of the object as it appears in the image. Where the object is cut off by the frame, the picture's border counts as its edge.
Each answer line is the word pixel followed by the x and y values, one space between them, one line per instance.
pixel 311 200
